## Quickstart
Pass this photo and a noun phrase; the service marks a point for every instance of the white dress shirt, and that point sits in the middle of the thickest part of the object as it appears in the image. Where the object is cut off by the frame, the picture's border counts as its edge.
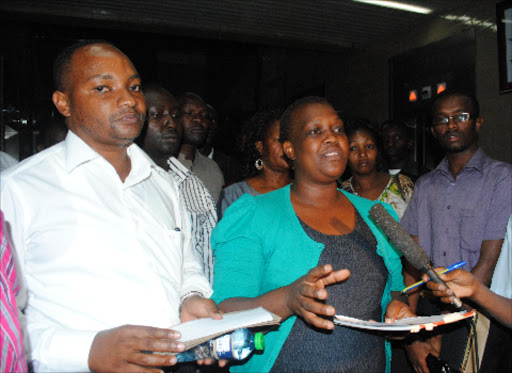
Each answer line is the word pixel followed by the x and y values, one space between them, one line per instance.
pixel 97 253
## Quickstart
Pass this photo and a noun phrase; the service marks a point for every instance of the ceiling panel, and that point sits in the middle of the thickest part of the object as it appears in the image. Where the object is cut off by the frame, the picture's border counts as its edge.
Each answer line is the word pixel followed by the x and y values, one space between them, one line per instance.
pixel 342 23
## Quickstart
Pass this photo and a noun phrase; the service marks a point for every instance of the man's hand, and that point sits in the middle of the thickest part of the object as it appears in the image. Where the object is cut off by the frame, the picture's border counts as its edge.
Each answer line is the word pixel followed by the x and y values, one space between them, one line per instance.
pixel 197 307
pixel 119 349
pixel 461 283
pixel 418 351
pixel 303 293
pixel 397 310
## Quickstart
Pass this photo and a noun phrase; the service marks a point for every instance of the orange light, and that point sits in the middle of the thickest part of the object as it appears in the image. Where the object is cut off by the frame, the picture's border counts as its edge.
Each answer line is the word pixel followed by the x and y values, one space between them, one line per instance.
pixel 441 87
pixel 413 96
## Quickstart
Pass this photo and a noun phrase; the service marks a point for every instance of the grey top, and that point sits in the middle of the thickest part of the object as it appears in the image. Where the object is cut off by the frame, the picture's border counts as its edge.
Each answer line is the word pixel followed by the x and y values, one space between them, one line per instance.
pixel 231 194
pixel 208 171
pixel 343 349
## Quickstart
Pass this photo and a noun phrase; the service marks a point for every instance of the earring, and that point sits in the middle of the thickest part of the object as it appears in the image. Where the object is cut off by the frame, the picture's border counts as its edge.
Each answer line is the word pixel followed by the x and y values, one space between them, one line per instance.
pixel 258 164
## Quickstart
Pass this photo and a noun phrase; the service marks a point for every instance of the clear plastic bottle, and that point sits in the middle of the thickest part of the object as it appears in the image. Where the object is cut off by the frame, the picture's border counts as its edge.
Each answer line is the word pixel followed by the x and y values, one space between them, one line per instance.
pixel 236 345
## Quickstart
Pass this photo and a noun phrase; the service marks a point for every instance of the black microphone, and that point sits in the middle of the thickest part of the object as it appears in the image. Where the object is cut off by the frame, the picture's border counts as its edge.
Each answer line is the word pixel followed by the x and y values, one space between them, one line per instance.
pixel 404 242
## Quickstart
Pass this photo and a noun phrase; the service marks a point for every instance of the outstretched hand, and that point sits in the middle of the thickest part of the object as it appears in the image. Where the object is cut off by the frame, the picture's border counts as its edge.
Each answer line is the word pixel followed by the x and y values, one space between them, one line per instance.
pixel 303 294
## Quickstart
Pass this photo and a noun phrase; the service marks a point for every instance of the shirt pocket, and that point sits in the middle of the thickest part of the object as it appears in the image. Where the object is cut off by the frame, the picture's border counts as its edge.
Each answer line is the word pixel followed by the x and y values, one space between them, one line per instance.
pixel 471 230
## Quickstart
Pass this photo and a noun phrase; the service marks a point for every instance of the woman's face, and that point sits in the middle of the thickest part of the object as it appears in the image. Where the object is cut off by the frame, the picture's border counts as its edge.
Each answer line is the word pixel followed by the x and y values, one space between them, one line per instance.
pixel 362 153
pixel 318 145
pixel 271 150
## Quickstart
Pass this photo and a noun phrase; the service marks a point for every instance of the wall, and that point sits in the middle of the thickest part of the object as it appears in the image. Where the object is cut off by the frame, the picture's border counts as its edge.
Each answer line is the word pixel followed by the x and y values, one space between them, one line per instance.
pixel 369 86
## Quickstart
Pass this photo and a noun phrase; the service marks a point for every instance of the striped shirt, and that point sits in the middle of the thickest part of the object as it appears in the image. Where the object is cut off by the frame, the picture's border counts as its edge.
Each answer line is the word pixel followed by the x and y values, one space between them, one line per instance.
pixel 201 207
pixel 12 354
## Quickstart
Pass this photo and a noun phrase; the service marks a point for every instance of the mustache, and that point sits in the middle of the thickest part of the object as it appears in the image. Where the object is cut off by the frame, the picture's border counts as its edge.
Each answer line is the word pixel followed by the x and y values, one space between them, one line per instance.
pixel 118 115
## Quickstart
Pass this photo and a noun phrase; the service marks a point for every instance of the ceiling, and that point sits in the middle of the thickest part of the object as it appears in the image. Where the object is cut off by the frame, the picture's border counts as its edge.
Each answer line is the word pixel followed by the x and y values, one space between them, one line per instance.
pixel 316 24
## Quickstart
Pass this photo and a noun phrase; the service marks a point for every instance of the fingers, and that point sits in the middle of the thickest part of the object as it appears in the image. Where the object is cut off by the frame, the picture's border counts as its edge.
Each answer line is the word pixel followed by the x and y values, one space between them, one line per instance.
pixel 152 332
pixel 151 360
pixel 318 272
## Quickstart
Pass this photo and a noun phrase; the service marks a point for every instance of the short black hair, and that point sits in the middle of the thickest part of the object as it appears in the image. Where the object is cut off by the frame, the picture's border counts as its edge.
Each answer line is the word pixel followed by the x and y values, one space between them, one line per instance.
pixel 286 118
pixel 255 129
pixel 190 96
pixel 397 123
pixel 362 124
pixel 62 64
pixel 475 107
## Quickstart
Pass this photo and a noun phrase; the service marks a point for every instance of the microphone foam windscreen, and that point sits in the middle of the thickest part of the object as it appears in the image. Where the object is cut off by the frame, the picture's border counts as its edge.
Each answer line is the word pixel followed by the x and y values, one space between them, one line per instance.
pixel 399 236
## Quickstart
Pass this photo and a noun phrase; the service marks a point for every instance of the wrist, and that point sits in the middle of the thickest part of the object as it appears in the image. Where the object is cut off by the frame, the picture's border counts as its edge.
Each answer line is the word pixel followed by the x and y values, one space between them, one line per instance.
pixel 188 295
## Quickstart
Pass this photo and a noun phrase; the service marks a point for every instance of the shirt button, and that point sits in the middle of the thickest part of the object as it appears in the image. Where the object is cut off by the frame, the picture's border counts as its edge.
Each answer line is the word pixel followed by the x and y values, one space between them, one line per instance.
pixel 452 184
pixel 448 207
pixel 444 254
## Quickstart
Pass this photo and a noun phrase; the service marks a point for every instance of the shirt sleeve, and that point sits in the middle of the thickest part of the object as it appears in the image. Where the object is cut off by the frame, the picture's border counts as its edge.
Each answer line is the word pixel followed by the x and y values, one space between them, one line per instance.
pixel 238 251
pixel 47 348
pixel 500 207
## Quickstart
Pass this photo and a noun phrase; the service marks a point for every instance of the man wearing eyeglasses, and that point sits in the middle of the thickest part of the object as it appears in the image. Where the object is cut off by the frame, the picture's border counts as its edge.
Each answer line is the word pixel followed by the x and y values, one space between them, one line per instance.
pixel 459 212
pixel 196 124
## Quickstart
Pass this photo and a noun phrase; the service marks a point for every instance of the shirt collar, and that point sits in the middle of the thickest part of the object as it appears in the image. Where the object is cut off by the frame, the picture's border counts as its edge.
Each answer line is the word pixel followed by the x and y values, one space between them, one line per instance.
pixel 476 162
pixel 78 153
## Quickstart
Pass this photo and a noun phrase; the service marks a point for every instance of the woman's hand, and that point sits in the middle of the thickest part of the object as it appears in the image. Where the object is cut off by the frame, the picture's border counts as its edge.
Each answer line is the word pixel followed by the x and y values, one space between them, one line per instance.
pixel 303 293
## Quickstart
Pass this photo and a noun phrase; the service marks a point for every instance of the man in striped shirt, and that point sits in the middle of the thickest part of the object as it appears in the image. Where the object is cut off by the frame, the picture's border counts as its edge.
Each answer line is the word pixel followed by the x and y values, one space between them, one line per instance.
pixel 161 140
pixel 12 354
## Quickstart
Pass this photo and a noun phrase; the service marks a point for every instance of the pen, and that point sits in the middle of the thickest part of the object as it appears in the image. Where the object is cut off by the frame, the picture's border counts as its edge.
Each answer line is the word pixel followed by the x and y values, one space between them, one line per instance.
pixel 446 270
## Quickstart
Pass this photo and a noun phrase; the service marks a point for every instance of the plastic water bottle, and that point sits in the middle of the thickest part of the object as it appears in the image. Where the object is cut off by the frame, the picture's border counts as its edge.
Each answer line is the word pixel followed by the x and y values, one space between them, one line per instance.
pixel 236 345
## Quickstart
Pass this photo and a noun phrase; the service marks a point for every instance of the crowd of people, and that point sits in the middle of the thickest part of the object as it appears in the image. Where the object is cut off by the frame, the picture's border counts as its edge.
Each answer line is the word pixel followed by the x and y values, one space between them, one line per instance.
pixel 132 222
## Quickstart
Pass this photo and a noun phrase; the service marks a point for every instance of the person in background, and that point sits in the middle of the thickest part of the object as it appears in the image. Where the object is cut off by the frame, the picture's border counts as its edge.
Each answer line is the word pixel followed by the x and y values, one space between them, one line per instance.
pixel 367 180
pixel 265 244
pixel 396 149
pixel 459 212
pixel 265 166
pixel 229 165
pixel 12 352
pixel 102 238
pixel 161 140
pixel 196 123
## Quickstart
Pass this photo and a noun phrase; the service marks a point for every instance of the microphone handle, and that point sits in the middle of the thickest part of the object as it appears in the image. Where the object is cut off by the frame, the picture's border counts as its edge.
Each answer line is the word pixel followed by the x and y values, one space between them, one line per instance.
pixel 435 277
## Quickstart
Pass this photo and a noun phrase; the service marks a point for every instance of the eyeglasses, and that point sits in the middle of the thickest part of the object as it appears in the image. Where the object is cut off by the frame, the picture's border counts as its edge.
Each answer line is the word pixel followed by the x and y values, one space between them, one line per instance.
pixel 457 118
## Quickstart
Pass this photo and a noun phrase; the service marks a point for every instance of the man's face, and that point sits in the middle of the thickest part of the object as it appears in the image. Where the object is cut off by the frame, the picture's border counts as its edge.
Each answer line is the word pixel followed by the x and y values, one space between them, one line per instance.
pixel 195 121
pixel 165 130
pixel 456 137
pixel 395 144
pixel 103 100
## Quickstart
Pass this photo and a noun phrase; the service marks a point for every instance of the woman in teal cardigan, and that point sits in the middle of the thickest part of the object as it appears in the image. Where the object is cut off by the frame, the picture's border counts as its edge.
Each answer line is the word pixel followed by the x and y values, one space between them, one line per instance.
pixel 265 246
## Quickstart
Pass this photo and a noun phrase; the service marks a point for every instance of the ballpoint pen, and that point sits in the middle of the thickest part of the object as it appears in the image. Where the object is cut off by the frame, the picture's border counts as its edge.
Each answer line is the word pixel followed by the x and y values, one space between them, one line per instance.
pixel 446 270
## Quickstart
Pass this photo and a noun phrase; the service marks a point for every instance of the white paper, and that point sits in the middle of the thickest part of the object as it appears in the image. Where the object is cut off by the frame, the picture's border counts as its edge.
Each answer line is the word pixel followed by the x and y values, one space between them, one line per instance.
pixel 412 324
pixel 207 327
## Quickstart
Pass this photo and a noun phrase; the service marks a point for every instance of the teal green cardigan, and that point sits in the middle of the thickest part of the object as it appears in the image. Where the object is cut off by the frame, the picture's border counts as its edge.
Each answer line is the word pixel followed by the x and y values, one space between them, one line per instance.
pixel 259 245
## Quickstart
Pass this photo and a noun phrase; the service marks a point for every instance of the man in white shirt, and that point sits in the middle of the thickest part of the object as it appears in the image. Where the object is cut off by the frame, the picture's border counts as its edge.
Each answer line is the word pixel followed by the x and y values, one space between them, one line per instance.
pixel 161 140
pixel 103 240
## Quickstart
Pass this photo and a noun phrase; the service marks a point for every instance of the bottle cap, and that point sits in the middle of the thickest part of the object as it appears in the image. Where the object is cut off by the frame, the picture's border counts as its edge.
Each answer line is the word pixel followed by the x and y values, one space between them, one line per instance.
pixel 259 341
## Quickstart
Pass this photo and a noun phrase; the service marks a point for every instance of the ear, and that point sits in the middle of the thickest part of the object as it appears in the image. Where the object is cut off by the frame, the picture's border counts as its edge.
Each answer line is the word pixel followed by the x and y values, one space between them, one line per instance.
pixel 433 132
pixel 61 102
pixel 259 147
pixel 479 122
pixel 289 150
